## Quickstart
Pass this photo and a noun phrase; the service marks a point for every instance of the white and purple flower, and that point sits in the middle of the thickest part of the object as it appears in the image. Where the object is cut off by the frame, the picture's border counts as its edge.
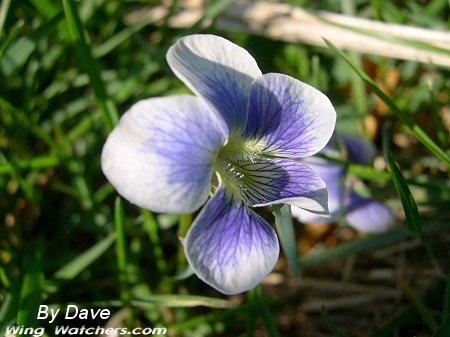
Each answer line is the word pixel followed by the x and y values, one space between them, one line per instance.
pixel 243 126
pixel 363 214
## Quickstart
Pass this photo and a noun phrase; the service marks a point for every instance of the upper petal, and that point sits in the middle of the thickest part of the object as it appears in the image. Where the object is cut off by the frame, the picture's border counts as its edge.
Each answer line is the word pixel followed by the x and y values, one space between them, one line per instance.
pixel 368 215
pixel 292 118
pixel 161 154
pixel 229 246
pixel 273 181
pixel 218 70
pixel 333 176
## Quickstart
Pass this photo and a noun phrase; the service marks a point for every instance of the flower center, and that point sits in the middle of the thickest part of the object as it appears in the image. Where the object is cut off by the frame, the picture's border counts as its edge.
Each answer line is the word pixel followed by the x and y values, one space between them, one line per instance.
pixel 232 156
pixel 239 149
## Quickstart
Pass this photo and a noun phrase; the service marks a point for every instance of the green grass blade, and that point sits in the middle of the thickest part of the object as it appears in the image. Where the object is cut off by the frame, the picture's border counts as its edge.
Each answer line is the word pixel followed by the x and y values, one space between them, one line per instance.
pixel 444 329
pixel 119 38
pixel 367 172
pixel 286 233
pixel 6 41
pixel 175 301
pixel 269 321
pixel 403 191
pixel 31 295
pixel 376 9
pixel 119 219
pixel 76 266
pixel 10 292
pixel 37 163
pixel 19 52
pixel 183 227
pixel 446 306
pixel 151 227
pixel 78 37
pixel 406 198
pixel 358 95
pixel 17 55
pixel 404 117
pixel 46 8
pixel 184 301
pixel 419 304
pixel 11 115
pixel 330 323
pixel 4 8
pixel 186 273
pixel 368 244
pixel 389 329
pixel 9 307
pixel 265 313
pixel 215 8
pixel 407 315
pixel 237 312
pixel 251 313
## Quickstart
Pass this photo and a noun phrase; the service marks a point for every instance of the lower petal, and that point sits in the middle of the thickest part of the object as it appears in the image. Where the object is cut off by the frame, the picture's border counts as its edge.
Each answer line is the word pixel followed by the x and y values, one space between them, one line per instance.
pixel 368 215
pixel 230 247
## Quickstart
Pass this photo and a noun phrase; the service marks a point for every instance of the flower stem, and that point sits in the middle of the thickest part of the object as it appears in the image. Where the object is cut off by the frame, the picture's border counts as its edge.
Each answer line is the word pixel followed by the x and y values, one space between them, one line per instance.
pixel 151 227
pixel 121 254
pixel 184 224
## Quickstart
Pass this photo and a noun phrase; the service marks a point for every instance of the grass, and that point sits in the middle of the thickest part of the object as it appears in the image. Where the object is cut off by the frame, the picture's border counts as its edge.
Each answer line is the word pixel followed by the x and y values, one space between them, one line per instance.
pixel 69 69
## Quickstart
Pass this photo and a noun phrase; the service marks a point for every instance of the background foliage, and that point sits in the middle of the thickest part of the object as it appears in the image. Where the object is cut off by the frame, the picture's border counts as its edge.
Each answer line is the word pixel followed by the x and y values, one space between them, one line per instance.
pixel 69 69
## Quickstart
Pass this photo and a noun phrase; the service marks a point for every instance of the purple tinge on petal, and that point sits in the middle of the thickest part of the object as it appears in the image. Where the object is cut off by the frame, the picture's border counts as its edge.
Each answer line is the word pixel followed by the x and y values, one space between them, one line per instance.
pixel 333 176
pixel 219 71
pixel 359 150
pixel 276 181
pixel 292 118
pixel 161 154
pixel 368 215
pixel 230 247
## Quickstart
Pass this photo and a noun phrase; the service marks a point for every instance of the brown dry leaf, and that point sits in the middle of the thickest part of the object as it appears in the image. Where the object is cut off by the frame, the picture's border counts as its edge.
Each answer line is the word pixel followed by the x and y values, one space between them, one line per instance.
pixel 315 233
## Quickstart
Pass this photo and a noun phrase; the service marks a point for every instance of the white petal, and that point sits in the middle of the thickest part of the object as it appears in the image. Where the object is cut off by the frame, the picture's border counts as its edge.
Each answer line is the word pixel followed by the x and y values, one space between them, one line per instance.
pixel 217 70
pixel 161 154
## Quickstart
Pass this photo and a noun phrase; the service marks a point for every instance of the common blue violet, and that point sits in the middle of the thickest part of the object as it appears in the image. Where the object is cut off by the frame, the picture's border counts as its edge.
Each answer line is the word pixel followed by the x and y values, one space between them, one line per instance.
pixel 239 133
pixel 363 214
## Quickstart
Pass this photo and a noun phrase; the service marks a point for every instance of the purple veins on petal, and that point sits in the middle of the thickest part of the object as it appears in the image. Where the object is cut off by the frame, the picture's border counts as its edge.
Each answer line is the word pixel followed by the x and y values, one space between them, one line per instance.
pixel 333 176
pixel 291 117
pixel 161 154
pixel 217 70
pixel 229 246
pixel 273 181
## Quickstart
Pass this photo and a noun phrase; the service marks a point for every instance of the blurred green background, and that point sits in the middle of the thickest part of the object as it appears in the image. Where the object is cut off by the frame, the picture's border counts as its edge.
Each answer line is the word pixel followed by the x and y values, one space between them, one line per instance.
pixel 68 69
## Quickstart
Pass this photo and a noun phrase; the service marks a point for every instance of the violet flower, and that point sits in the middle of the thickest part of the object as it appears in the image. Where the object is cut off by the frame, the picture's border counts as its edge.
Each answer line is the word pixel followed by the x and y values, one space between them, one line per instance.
pixel 243 126
pixel 363 214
